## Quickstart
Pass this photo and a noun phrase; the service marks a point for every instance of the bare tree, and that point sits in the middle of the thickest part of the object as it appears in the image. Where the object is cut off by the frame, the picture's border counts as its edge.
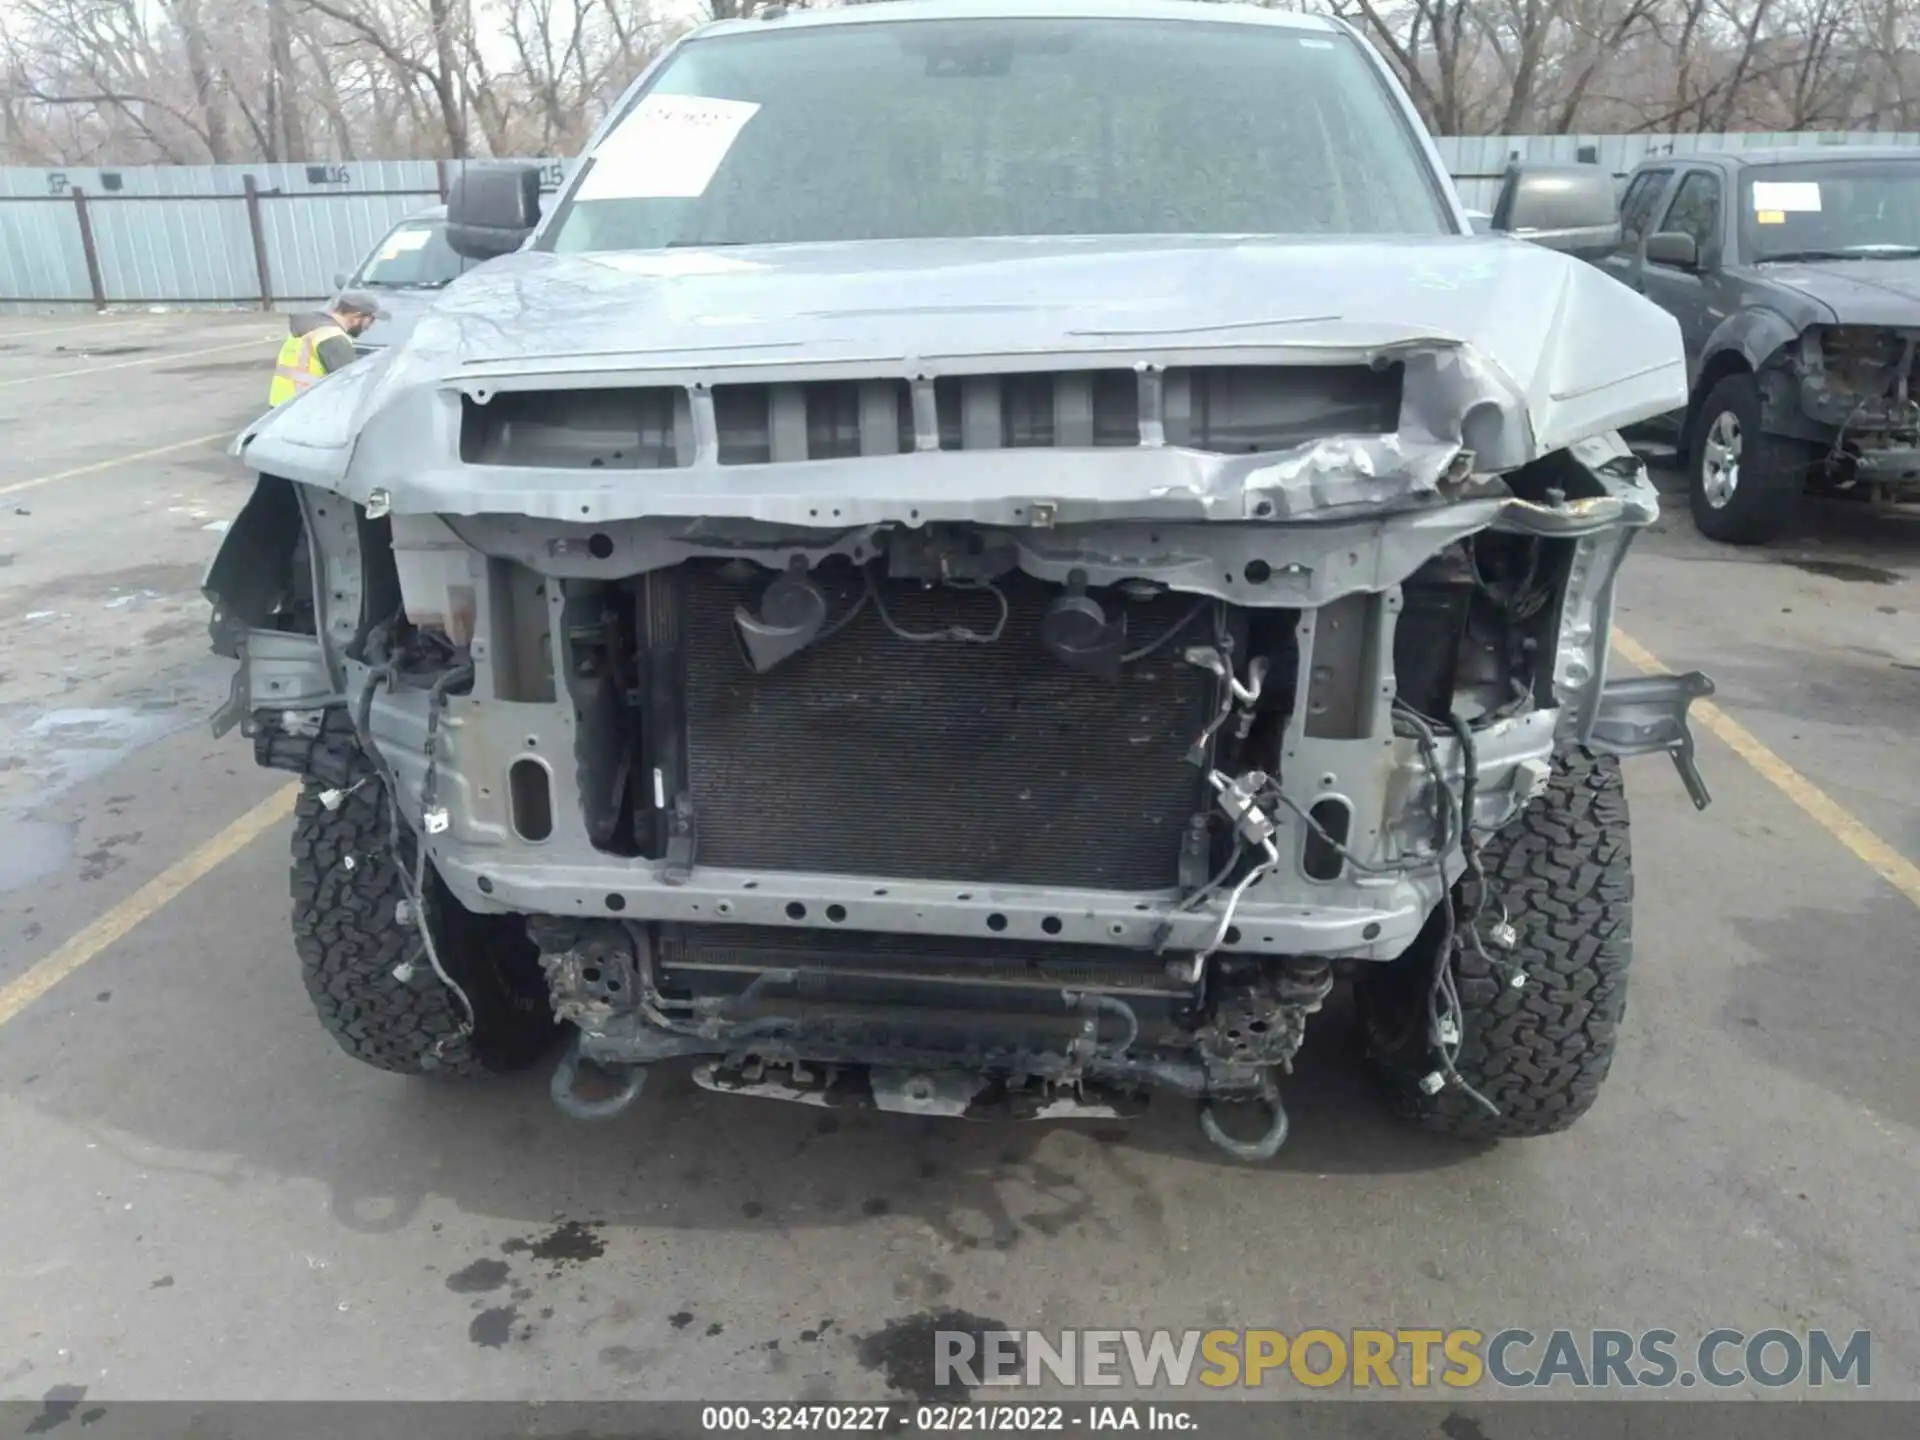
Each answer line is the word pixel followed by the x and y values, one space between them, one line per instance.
pixel 243 80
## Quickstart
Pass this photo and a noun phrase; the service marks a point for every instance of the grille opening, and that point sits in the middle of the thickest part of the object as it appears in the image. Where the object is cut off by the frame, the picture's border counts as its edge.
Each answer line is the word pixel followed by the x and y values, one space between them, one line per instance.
pixel 819 420
pixel 1323 861
pixel 531 794
pixel 1223 409
pixel 1071 408
pixel 647 428
pixel 1242 409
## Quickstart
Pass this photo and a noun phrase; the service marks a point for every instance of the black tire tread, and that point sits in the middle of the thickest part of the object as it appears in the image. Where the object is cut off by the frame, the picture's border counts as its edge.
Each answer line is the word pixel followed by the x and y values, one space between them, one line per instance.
pixel 349 943
pixel 346 891
pixel 1564 869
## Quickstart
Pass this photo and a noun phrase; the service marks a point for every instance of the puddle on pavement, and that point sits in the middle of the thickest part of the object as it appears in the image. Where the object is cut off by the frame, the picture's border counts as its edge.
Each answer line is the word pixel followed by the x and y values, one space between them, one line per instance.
pixel 31 850
pixel 1848 570
pixel 57 751
pixel 70 747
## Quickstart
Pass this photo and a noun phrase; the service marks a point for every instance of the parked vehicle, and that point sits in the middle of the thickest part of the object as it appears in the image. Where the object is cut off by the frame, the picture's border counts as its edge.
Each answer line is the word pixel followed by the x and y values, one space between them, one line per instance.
pixel 1795 276
pixel 979 560
pixel 406 269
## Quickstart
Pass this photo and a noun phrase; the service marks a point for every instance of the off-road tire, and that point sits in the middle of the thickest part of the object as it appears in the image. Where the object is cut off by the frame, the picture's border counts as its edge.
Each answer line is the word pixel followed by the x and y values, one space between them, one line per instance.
pixel 1563 868
pixel 346 897
pixel 1773 470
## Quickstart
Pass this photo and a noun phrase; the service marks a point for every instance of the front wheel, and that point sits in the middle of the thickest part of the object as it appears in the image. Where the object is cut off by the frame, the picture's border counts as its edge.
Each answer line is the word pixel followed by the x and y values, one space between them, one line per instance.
pixel 1563 869
pixel 1744 485
pixel 365 966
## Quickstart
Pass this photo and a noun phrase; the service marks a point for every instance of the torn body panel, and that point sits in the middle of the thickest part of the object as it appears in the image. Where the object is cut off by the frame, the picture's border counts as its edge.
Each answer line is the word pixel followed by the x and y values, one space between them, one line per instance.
pixel 1058 705
pixel 734 344
pixel 520 596
pixel 1833 355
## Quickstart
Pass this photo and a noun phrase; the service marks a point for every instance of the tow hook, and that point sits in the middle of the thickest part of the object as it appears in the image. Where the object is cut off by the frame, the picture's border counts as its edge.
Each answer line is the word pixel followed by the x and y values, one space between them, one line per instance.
pixel 565 1087
pixel 1253 1152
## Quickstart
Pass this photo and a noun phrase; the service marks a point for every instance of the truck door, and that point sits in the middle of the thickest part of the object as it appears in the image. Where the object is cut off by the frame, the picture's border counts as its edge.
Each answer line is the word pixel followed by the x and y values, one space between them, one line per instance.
pixel 1637 208
pixel 1691 294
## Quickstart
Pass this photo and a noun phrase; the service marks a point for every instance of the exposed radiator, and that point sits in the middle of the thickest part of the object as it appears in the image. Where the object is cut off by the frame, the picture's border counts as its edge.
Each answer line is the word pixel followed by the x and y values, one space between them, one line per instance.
pixel 976 763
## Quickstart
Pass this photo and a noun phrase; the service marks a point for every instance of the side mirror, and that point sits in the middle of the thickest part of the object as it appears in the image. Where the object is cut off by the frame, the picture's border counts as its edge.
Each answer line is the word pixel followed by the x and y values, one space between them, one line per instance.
pixel 492 209
pixel 1571 208
pixel 1673 247
pixel 1480 221
pixel 339 279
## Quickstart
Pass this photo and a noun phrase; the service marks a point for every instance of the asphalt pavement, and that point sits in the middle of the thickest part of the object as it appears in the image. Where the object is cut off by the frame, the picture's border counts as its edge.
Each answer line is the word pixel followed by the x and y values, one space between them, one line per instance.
pixel 204 1199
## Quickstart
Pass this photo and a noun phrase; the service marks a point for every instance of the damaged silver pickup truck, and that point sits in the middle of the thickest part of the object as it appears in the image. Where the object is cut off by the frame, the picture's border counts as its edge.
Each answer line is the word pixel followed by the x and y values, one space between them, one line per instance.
pixel 980 565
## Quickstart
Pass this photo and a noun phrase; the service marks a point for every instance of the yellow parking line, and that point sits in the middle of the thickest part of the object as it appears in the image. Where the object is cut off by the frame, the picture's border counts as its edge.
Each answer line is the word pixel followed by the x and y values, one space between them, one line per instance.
pixel 148 900
pixel 130 364
pixel 1829 814
pixel 98 465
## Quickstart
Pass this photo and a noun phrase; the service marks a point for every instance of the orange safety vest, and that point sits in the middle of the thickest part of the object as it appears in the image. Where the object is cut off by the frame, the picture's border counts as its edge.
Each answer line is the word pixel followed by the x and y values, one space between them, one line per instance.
pixel 298 364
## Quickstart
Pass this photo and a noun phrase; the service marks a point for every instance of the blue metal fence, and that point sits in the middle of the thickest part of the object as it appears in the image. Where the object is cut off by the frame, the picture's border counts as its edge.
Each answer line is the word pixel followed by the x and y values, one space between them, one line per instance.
pixel 278 235
pixel 201 235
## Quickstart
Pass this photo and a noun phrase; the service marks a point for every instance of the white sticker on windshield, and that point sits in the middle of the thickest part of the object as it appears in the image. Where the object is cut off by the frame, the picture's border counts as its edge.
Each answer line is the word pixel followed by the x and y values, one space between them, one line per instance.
pixel 669 147
pixel 406 240
pixel 1786 195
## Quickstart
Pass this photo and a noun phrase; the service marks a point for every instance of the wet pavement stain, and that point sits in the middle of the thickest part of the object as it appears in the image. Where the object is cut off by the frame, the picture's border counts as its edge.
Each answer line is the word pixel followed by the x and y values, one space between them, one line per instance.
pixel 98 863
pixel 478 1278
pixel 625 1359
pixel 491 1329
pixel 902 1351
pixel 31 850
pixel 56 1408
pixel 89 352
pixel 575 1241
pixel 1848 570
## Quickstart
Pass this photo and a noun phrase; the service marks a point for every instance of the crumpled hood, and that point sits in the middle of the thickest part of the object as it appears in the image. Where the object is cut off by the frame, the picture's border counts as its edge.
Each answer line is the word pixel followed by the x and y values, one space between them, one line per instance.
pixel 1568 351
pixel 1858 292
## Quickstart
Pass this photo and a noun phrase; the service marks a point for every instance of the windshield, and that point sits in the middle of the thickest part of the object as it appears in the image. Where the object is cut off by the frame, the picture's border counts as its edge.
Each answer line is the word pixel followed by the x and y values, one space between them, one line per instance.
pixel 415 255
pixel 1831 210
pixel 923 129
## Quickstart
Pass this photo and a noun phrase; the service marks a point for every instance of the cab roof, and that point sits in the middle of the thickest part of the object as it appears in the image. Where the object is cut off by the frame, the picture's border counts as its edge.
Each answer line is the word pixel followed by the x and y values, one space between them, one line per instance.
pixel 1784 155
pixel 1195 10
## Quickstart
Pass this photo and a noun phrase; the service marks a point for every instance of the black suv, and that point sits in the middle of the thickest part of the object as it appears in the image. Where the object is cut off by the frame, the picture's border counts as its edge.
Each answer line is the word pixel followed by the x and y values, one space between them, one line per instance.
pixel 1795 276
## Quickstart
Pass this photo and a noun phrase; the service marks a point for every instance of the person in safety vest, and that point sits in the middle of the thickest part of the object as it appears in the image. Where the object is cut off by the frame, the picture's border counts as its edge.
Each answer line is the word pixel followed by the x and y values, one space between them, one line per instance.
pixel 320 344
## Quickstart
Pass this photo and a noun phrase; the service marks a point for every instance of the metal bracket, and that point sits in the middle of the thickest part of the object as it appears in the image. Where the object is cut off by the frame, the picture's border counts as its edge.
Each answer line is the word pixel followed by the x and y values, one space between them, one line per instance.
pixel 682 842
pixel 1646 714
pixel 238 703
